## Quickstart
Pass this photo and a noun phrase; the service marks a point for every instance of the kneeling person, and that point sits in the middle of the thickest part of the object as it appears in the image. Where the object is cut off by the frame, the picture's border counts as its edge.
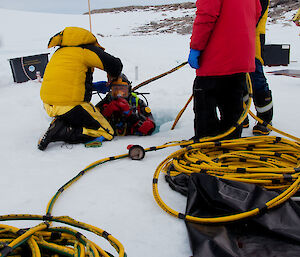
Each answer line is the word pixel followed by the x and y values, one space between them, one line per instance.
pixel 67 89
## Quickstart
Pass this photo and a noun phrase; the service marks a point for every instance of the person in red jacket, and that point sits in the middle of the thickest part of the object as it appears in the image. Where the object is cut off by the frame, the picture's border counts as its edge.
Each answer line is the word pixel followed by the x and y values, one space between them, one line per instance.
pixel 222 50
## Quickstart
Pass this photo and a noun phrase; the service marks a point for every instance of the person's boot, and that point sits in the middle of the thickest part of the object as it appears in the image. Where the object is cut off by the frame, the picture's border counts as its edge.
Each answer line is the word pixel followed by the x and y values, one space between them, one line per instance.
pixel 58 131
pixel 260 130
pixel 50 135
pixel 264 110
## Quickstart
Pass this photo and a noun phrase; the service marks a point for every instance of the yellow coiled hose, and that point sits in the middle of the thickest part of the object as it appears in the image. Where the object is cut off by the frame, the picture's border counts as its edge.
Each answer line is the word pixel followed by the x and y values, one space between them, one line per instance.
pixel 271 162
pixel 46 240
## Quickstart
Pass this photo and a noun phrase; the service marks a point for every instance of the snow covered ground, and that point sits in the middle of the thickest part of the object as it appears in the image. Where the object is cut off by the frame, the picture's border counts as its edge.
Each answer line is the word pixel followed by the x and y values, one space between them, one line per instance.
pixel 116 196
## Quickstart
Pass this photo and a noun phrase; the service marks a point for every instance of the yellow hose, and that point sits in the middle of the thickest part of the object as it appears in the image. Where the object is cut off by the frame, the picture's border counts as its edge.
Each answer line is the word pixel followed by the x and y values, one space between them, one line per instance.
pixel 247 160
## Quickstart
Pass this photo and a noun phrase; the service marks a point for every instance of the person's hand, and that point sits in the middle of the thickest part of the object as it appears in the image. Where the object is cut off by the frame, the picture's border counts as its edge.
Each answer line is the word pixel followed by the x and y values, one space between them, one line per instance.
pixel 120 105
pixel 101 87
pixel 109 109
pixel 194 58
pixel 124 106
pixel 146 128
pixel 110 79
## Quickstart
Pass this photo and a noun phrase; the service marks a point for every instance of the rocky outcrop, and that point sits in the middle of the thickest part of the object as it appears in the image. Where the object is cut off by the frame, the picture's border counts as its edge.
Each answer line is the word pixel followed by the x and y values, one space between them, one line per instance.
pixel 183 24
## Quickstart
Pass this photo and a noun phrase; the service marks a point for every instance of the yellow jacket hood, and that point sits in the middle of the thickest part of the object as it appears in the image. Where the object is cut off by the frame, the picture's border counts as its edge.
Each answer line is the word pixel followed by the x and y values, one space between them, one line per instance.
pixel 73 36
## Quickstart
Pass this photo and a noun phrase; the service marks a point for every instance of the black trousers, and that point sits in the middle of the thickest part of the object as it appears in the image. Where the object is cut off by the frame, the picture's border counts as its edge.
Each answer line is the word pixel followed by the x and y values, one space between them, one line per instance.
pixel 218 104
pixel 77 118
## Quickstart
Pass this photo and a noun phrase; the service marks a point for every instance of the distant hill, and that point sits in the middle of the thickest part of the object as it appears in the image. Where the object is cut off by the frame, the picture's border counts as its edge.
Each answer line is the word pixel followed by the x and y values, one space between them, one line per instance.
pixel 166 7
pixel 292 4
pixel 279 7
pixel 183 24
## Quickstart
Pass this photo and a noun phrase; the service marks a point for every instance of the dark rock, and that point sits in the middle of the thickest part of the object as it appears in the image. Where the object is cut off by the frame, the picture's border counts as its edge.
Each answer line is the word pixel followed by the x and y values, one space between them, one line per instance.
pixel 183 25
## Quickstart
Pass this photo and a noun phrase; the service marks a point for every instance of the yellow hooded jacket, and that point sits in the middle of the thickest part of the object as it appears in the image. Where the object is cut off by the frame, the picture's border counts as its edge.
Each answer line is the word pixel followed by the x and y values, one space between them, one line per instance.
pixel 297 16
pixel 69 73
pixel 261 30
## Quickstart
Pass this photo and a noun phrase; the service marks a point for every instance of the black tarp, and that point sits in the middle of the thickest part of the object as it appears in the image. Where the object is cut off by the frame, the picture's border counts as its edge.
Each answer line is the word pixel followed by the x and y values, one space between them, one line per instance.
pixel 271 234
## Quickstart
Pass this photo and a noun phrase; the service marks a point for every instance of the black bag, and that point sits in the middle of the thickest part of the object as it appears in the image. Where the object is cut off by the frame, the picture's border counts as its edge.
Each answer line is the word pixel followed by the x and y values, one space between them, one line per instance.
pixel 28 67
pixel 271 234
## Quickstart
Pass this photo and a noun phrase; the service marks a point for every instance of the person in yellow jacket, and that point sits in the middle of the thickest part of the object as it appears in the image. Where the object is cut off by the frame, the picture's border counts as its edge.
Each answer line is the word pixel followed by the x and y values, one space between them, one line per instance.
pixel 262 94
pixel 67 89
pixel 296 18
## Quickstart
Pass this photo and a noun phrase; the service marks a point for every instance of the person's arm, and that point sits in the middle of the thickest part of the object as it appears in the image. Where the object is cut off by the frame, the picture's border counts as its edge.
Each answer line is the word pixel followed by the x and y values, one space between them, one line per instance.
pixel 96 57
pixel 144 127
pixel 206 16
pixel 101 87
pixel 262 8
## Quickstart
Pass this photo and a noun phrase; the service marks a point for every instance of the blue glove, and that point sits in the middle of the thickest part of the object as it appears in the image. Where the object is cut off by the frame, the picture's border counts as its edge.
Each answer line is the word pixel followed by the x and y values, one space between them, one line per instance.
pixel 101 87
pixel 194 58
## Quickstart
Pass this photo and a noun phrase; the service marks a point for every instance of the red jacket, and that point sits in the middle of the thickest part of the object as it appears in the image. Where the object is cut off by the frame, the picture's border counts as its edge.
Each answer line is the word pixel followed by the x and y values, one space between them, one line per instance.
pixel 224 30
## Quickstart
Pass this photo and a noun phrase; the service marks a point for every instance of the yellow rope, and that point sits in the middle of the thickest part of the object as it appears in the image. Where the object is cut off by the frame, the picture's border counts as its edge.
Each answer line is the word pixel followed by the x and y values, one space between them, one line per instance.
pixel 64 241
pixel 271 162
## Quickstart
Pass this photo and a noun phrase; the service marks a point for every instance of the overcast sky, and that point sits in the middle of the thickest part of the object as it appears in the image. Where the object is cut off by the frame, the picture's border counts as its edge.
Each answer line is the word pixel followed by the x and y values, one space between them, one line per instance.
pixel 76 6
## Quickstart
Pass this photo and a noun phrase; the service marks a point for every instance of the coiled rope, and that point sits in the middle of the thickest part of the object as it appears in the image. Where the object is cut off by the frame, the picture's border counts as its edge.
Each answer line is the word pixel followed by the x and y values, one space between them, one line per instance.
pixel 271 162
pixel 46 240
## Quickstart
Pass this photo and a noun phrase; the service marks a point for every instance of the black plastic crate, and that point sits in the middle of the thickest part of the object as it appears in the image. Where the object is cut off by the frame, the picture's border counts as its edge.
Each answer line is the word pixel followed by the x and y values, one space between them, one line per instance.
pixel 28 67
pixel 276 55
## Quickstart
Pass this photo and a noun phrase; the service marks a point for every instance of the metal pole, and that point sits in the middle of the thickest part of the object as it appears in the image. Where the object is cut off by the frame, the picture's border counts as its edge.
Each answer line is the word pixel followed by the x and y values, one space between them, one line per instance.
pixel 136 73
pixel 181 112
pixel 90 15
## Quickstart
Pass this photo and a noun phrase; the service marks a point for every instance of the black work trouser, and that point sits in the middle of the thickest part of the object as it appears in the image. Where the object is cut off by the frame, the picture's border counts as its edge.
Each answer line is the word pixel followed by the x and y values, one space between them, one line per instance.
pixel 224 93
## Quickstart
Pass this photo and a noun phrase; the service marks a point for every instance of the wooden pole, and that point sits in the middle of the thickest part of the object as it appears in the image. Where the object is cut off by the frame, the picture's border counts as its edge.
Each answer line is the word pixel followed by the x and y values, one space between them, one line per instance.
pixel 181 112
pixel 90 15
